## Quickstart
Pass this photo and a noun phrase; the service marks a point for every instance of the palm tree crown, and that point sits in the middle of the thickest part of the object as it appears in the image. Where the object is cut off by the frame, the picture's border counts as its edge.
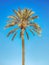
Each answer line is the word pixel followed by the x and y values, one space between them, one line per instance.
pixel 23 19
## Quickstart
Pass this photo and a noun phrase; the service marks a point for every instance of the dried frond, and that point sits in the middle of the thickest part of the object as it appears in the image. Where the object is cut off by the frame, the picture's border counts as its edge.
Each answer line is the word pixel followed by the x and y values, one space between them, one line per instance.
pixel 25 13
pixel 31 12
pixel 11 24
pixel 17 14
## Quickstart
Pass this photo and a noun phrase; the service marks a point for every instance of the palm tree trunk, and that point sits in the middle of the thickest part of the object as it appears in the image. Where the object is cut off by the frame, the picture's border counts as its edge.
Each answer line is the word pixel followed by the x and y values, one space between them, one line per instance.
pixel 23 58
pixel 23 52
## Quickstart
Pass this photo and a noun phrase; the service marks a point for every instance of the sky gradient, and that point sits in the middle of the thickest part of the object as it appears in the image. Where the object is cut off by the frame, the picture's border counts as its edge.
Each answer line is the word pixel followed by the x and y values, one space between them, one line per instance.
pixel 37 48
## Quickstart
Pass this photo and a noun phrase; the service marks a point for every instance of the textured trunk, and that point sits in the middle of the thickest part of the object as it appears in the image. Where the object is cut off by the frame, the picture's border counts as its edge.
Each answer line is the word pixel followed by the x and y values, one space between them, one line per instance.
pixel 23 58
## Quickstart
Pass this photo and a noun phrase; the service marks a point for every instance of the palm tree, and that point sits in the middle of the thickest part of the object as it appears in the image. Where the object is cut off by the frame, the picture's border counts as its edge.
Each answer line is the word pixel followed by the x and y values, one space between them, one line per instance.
pixel 24 20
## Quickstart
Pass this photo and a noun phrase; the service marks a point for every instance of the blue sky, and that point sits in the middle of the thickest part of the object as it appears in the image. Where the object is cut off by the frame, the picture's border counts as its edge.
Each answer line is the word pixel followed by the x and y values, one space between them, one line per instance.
pixel 37 48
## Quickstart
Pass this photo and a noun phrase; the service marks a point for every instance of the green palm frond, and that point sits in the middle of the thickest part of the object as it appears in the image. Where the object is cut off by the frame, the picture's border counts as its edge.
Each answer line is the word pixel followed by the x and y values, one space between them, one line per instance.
pixel 14 36
pixel 37 31
pixel 27 35
pixel 31 31
pixel 12 31
pixel 34 17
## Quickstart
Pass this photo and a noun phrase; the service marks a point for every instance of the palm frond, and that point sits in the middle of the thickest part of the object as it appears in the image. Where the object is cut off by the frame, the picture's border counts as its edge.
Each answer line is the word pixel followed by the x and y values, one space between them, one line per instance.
pixel 37 31
pixel 17 13
pixel 31 12
pixel 19 10
pixel 33 17
pixel 11 24
pixel 12 31
pixel 14 17
pixel 9 21
pixel 14 36
pixel 35 25
pixel 25 13
pixel 27 34
pixel 31 31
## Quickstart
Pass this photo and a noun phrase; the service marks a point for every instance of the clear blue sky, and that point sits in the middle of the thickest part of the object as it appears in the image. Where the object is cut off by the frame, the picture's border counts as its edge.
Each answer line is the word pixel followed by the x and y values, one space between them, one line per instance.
pixel 37 48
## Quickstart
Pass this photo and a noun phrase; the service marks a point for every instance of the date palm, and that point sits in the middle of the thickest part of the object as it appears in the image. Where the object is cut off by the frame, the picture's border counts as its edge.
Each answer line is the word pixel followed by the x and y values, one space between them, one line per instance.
pixel 23 19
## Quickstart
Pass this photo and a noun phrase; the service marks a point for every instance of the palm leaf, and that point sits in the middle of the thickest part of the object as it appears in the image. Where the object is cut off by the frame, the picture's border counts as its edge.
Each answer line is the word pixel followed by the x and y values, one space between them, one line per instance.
pixel 19 10
pixel 27 34
pixel 25 12
pixel 35 25
pixel 31 12
pixel 37 31
pixel 12 31
pixel 31 31
pixel 33 17
pixel 11 24
pixel 14 36
pixel 17 13
pixel 14 17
